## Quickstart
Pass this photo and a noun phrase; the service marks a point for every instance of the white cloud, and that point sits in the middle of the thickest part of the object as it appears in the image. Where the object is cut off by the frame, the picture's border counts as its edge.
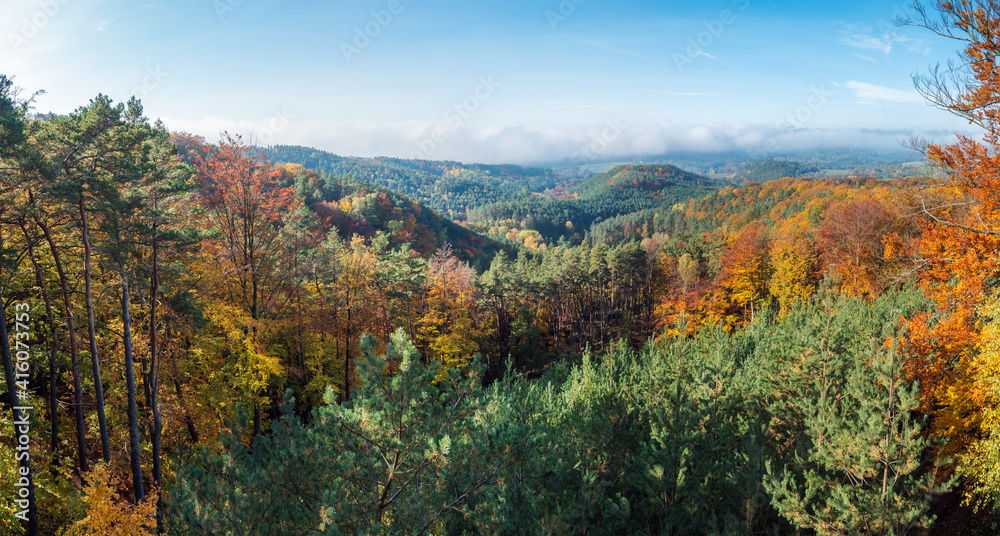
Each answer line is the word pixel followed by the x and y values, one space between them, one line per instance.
pixel 552 144
pixel 706 54
pixel 864 37
pixel 881 93
pixel 100 26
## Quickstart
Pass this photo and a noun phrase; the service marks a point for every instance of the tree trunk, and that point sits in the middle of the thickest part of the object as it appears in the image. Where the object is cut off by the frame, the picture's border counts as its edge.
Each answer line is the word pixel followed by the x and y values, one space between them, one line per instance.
pixel 92 330
pixel 81 433
pixel 21 422
pixel 53 350
pixel 301 328
pixel 347 359
pixel 133 419
pixel 153 380
pixel 192 431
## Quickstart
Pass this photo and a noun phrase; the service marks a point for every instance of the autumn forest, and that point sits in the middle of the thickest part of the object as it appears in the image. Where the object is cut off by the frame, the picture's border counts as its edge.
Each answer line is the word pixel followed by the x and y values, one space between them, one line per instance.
pixel 223 338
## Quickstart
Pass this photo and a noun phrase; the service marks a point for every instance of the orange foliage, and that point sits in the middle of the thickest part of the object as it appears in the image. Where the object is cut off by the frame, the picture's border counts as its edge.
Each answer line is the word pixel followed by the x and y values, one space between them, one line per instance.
pixel 851 240
pixel 746 269
pixel 779 236
pixel 961 237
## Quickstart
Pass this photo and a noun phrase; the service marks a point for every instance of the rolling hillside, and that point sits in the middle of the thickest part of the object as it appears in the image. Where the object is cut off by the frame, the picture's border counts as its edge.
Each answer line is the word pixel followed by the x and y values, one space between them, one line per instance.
pixel 618 192
pixel 449 187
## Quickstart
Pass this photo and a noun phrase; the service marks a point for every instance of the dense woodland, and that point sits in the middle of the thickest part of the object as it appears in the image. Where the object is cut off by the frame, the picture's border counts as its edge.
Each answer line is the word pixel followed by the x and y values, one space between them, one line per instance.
pixel 769 169
pixel 228 340
pixel 450 188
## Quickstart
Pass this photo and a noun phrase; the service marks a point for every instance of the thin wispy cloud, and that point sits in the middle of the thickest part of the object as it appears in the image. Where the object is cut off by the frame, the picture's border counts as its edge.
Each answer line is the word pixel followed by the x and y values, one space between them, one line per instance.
pixel 591 69
pixel 612 49
pixel 703 53
pixel 866 38
pixel 866 91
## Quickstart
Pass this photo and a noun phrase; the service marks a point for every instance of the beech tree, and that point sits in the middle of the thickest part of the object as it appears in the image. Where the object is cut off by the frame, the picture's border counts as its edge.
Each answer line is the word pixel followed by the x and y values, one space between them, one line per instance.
pixel 746 269
pixel 245 206
pixel 447 328
pixel 961 235
pixel 852 244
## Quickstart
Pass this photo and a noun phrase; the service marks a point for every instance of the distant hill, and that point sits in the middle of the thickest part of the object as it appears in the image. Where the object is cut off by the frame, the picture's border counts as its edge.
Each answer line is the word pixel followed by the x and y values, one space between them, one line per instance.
pixel 449 187
pixel 761 171
pixel 654 181
pixel 618 192
pixel 366 196
pixel 365 208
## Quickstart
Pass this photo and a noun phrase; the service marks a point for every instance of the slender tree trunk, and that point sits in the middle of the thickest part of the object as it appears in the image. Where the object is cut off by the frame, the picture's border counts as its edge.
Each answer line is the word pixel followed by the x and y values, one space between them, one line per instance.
pixel 302 339
pixel 92 330
pixel 21 422
pixel 157 430
pixel 255 315
pixel 157 423
pixel 133 419
pixel 192 431
pixel 53 350
pixel 347 358
pixel 153 381
pixel 81 432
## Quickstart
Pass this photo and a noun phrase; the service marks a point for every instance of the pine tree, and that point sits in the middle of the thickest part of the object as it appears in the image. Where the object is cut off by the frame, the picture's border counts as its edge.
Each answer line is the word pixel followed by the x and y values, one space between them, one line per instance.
pixel 858 462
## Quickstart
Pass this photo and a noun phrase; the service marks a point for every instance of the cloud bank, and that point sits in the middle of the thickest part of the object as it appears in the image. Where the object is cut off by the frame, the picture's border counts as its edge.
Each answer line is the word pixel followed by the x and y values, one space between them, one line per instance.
pixel 547 145
pixel 867 91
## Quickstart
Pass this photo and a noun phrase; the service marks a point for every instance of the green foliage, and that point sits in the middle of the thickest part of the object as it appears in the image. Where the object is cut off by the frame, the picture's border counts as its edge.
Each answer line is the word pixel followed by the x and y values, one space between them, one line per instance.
pixel 655 181
pixel 769 169
pixel 799 422
pixel 367 207
pixel 855 458
pixel 611 204
pixel 451 188
pixel 405 456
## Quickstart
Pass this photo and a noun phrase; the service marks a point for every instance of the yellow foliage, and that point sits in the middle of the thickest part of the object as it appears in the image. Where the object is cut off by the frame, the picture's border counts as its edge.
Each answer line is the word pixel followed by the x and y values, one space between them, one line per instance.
pixel 8 478
pixel 110 515
pixel 447 328
pixel 793 259
pixel 981 460
pixel 253 367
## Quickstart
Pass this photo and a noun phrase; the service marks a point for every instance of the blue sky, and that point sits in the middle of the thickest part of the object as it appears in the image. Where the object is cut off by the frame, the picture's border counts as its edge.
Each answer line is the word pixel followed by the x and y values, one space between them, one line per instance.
pixel 491 80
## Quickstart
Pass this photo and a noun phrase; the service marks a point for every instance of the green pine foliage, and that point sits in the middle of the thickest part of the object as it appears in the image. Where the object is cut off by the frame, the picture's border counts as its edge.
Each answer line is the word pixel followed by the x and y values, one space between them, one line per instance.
pixel 800 423
pixel 856 454
pixel 405 456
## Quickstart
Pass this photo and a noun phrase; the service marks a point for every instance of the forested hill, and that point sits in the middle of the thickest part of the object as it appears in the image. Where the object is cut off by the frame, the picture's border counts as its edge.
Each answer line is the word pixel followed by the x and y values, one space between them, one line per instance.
pixel 654 181
pixel 449 187
pixel 770 169
pixel 355 200
pixel 544 393
pixel 356 207
pixel 618 192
